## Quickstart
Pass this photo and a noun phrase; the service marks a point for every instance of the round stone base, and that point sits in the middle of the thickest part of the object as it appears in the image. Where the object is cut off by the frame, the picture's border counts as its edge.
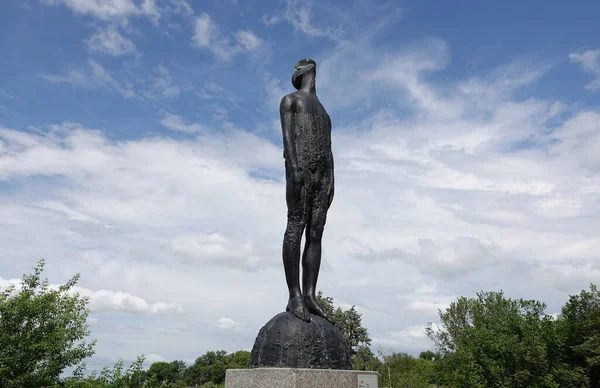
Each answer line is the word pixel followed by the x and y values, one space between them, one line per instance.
pixel 286 341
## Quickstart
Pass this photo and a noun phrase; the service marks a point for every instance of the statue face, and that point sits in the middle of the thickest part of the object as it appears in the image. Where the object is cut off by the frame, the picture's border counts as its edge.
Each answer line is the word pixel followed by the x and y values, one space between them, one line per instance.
pixel 301 68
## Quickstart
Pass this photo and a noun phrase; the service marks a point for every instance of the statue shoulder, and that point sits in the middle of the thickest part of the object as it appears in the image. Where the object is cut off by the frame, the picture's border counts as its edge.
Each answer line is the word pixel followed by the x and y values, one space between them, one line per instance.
pixel 289 102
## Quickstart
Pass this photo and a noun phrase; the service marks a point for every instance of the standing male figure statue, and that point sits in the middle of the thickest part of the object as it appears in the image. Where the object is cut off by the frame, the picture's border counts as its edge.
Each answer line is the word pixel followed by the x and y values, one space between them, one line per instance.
pixel 306 128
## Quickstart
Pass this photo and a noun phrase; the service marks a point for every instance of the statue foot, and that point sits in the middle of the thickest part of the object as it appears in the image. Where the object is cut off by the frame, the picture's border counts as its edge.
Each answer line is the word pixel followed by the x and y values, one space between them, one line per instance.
pixel 297 307
pixel 315 308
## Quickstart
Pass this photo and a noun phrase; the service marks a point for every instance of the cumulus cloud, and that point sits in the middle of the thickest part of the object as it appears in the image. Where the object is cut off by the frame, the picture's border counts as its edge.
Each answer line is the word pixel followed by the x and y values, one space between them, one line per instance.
pixel 217 250
pixel 227 323
pixel 207 35
pixel 590 62
pixel 109 40
pixel 107 300
pixel 111 301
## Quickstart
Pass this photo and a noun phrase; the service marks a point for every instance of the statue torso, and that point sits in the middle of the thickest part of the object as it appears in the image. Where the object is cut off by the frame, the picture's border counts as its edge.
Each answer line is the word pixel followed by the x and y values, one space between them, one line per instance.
pixel 312 132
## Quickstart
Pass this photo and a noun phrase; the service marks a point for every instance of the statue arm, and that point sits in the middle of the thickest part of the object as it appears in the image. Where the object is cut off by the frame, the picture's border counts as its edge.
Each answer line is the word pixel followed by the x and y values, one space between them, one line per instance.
pixel 287 111
pixel 332 189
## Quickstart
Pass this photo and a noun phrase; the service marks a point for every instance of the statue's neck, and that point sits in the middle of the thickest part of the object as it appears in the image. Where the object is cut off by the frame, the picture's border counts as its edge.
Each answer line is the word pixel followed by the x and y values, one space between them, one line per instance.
pixel 308 84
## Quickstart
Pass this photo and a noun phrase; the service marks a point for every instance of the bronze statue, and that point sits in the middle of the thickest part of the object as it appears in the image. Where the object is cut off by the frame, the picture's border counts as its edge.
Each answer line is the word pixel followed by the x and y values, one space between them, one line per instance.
pixel 306 128
pixel 312 341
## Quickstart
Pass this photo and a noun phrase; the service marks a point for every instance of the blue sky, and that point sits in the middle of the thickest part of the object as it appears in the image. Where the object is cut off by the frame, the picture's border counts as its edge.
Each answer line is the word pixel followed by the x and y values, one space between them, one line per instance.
pixel 43 39
pixel 140 146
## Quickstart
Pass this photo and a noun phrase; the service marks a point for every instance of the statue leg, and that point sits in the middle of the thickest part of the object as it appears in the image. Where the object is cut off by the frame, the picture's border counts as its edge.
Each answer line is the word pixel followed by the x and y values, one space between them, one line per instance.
pixel 291 260
pixel 311 262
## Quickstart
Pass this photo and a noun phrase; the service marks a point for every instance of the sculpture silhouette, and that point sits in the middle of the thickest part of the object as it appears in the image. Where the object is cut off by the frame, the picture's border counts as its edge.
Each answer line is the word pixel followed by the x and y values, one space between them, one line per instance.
pixel 306 128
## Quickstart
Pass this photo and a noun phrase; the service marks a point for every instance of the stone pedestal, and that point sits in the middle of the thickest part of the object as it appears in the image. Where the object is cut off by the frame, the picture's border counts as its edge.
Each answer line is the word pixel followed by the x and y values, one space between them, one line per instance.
pixel 299 378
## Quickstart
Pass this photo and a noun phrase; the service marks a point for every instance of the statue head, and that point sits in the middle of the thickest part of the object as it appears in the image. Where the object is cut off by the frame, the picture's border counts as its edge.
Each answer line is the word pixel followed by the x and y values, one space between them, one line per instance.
pixel 302 68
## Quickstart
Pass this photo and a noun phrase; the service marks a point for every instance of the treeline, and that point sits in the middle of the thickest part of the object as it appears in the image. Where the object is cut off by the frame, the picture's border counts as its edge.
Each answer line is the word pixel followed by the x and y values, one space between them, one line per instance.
pixel 208 371
pixel 488 340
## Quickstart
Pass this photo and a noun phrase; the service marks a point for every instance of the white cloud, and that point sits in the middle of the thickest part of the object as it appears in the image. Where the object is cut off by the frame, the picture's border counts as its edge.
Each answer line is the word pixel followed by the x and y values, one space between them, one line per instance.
pixel 72 76
pixel 111 301
pixel 427 307
pixel 298 13
pixel 451 258
pixel 410 333
pixel 182 7
pixel 207 35
pixel 177 123
pixel 163 83
pixel 217 250
pixel 4 95
pixel 159 85
pixel 95 75
pixel 107 300
pixel 227 323
pixel 274 92
pixel 248 40
pixel 151 358
pixel 110 41
pixel 109 9
pixel 148 8
pixel 412 339
pixel 427 300
pixel 204 31
pixel 92 76
pixel 6 283
pixel 590 61
pixel 102 77
pixel 62 208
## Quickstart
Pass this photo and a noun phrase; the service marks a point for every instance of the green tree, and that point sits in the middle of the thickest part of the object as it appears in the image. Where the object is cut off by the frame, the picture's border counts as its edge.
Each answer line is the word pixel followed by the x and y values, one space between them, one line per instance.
pixel 428 355
pixel 238 360
pixel 493 341
pixel 364 359
pixel 579 324
pixel 115 377
pixel 162 372
pixel 42 331
pixel 404 371
pixel 349 322
pixel 211 368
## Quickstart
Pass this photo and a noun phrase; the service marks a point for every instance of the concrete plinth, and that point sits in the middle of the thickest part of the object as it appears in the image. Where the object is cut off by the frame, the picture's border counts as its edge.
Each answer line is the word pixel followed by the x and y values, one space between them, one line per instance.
pixel 299 378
